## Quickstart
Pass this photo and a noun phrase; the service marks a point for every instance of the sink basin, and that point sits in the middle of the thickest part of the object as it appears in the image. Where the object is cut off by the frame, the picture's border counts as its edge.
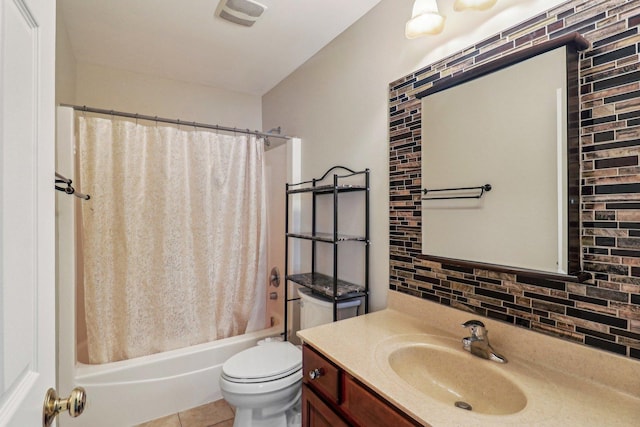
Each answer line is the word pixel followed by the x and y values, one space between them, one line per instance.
pixel 457 378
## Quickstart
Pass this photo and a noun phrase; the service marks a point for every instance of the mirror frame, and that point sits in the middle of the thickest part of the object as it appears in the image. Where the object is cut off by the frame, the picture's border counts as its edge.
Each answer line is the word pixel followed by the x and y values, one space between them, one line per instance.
pixel 574 43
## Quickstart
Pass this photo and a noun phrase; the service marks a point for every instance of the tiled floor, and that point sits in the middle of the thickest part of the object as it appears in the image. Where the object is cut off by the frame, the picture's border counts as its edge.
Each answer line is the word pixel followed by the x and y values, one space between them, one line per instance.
pixel 214 414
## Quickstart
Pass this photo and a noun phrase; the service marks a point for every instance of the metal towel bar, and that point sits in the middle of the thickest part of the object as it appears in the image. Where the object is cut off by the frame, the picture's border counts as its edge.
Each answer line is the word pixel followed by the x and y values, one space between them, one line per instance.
pixel 482 188
pixel 69 189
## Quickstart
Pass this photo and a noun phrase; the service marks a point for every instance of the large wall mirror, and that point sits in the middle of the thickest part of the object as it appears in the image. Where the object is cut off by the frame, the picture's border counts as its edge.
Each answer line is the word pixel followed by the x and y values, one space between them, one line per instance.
pixel 500 163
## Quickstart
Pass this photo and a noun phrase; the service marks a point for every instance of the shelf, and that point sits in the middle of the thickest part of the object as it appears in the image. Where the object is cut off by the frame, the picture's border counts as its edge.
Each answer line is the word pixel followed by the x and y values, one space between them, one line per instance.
pixel 327 237
pixel 323 284
pixel 338 183
pixel 325 189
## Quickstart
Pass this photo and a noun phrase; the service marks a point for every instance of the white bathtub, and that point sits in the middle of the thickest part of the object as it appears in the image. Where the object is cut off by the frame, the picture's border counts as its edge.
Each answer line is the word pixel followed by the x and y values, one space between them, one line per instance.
pixel 130 392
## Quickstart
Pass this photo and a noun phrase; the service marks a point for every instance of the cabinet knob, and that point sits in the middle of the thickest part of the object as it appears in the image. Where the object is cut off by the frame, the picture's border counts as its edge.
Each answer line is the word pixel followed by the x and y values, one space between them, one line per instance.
pixel 316 373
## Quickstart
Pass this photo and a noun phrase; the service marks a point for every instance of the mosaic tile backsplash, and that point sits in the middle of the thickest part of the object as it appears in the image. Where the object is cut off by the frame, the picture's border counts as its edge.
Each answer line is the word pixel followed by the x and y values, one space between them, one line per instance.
pixel 604 312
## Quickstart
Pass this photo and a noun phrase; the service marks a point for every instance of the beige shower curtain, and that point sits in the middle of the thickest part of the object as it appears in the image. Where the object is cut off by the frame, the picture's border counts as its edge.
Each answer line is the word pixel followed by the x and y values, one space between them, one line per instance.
pixel 174 236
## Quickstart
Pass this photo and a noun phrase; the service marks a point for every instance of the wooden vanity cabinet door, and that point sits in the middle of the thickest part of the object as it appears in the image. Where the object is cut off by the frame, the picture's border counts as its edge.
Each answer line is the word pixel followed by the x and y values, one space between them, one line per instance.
pixel 316 413
pixel 367 409
pixel 335 399
pixel 327 383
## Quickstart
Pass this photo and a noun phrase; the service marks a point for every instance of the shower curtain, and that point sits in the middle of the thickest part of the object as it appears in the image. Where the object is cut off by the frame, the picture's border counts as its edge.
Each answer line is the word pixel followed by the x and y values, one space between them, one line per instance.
pixel 174 236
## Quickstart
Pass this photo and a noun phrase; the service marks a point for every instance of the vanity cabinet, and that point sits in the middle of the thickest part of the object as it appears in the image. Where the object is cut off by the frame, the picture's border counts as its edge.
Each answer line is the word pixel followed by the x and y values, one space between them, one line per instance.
pixel 337 183
pixel 316 413
pixel 332 397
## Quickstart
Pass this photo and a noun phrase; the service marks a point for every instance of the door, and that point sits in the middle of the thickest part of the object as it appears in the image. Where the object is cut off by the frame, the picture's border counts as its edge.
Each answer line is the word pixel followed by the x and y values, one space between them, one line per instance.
pixel 27 234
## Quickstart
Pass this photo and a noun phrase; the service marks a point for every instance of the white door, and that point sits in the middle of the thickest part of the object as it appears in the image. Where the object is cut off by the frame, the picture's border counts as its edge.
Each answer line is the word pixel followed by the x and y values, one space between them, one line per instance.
pixel 27 251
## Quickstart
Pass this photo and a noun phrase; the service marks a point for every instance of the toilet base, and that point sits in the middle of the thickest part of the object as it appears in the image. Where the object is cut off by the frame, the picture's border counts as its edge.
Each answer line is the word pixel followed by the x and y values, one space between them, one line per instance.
pixel 253 417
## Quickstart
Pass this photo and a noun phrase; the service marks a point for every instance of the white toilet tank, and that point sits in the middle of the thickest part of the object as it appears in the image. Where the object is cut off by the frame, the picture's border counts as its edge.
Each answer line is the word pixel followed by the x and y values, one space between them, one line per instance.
pixel 316 310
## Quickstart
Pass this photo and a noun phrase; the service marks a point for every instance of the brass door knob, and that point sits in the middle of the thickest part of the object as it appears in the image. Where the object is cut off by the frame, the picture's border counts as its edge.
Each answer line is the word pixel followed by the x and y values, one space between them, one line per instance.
pixel 53 405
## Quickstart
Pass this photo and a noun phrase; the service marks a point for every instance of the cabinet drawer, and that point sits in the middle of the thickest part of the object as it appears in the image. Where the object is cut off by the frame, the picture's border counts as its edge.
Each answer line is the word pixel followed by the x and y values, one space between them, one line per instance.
pixel 316 413
pixel 320 374
pixel 366 409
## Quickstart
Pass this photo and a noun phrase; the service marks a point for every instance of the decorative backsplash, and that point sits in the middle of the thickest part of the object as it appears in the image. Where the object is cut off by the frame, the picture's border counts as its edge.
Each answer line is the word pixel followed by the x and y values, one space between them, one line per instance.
pixel 605 312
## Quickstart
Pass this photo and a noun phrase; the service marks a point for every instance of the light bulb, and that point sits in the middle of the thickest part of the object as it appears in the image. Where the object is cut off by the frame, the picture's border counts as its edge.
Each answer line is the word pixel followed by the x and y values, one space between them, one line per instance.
pixel 425 19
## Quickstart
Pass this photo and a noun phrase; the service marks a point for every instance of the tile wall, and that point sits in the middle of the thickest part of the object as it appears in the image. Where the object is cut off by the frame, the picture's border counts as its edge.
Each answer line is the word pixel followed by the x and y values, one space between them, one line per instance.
pixel 605 312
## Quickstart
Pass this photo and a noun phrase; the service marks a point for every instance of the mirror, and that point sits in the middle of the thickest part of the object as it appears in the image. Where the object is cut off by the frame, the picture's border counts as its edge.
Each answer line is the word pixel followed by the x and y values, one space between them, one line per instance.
pixel 500 163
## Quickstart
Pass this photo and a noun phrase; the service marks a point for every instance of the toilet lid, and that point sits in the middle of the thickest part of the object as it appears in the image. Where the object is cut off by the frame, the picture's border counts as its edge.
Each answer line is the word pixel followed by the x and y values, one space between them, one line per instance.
pixel 266 362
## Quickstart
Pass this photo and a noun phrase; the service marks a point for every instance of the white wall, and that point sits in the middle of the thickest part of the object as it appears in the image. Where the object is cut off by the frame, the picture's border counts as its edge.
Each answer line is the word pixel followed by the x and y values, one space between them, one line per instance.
pixel 337 102
pixel 120 90
pixel 276 176
pixel 65 64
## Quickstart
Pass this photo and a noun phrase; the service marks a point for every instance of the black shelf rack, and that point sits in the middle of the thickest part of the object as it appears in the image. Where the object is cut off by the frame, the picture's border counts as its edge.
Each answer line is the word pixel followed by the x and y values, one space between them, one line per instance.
pixel 331 287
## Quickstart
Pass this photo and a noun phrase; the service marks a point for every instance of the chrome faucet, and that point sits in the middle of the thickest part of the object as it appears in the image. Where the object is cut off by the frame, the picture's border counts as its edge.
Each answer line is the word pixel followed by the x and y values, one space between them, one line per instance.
pixel 478 343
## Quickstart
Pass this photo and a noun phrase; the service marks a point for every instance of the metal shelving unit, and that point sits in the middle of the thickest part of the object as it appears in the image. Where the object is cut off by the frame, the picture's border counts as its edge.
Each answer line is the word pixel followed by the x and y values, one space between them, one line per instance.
pixel 344 180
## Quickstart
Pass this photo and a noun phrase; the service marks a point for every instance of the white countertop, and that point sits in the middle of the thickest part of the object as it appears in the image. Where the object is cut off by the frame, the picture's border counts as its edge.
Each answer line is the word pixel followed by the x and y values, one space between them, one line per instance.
pixel 566 384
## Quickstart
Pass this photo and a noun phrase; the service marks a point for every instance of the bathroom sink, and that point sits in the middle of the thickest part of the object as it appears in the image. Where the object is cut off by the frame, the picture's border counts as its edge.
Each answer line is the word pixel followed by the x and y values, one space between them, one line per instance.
pixel 454 377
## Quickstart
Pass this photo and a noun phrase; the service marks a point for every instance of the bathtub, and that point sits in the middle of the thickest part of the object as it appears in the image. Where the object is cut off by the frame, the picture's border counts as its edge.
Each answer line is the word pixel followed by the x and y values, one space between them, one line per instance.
pixel 133 391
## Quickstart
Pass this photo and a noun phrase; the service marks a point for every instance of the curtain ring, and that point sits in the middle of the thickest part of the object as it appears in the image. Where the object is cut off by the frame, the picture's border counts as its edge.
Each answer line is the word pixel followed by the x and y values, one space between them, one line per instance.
pixel 178 123
pixel 195 127
pixel 136 119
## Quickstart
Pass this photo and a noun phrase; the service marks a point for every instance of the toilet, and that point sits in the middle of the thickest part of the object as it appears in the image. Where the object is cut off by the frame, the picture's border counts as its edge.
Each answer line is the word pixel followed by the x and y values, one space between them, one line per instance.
pixel 264 384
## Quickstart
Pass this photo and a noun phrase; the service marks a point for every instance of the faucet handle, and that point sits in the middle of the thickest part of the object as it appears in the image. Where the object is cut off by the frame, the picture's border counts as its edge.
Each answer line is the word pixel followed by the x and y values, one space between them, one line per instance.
pixel 476 327
pixel 472 322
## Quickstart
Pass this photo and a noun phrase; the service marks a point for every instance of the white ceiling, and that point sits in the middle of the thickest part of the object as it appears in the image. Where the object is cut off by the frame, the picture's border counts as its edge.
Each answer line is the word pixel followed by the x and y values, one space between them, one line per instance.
pixel 183 40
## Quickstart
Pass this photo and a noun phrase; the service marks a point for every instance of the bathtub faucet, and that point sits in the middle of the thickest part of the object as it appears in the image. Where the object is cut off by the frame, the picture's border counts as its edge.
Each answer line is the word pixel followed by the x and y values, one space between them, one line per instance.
pixel 478 343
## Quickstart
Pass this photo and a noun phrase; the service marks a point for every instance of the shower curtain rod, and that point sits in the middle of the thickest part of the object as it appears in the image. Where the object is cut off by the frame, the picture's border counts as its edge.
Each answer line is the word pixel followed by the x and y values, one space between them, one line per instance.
pixel 176 121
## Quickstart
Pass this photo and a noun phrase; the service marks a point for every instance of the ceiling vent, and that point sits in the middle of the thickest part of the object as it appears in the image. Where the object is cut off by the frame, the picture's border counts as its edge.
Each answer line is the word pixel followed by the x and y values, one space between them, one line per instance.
pixel 242 12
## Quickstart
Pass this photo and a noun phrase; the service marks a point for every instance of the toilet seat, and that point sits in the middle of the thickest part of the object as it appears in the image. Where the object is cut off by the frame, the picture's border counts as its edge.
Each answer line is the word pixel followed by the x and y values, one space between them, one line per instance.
pixel 264 363
pixel 230 386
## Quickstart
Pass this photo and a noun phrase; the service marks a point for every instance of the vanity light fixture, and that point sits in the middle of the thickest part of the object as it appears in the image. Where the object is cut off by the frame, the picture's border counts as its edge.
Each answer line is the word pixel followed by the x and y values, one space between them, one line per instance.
pixel 460 5
pixel 425 19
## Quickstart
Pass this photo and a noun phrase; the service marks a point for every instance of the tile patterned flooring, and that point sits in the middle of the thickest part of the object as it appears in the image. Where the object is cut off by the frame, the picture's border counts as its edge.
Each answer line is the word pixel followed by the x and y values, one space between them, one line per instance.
pixel 214 414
